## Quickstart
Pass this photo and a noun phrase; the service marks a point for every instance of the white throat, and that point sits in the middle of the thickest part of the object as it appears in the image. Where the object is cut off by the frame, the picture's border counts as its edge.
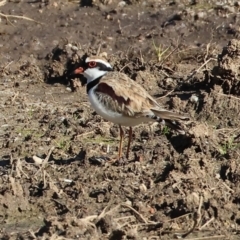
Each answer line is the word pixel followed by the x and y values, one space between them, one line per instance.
pixel 93 73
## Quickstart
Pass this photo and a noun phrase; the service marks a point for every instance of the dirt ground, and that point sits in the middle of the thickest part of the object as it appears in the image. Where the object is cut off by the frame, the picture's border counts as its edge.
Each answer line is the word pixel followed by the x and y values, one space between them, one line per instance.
pixel 57 180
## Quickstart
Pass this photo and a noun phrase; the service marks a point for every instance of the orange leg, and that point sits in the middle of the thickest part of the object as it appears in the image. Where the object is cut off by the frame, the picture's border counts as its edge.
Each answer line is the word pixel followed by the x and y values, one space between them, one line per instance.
pixel 129 141
pixel 121 141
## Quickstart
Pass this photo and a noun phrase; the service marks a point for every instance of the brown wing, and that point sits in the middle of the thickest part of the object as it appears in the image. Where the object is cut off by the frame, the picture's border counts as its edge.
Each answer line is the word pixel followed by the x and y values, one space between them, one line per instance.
pixel 121 94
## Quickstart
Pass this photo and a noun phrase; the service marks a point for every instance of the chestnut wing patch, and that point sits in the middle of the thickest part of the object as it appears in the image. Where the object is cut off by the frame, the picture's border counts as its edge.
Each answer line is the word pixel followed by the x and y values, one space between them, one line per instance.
pixel 114 101
pixel 104 88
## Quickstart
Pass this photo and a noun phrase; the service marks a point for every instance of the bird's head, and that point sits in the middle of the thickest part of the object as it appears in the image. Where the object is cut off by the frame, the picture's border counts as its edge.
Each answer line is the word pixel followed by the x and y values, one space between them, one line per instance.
pixel 93 68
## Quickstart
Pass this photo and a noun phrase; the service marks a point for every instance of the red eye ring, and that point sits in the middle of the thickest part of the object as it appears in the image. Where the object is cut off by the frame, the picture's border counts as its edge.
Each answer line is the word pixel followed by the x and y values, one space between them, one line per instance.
pixel 92 64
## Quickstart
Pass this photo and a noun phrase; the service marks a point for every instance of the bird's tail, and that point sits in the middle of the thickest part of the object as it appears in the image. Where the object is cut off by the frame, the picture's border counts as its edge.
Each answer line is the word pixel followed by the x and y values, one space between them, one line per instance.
pixel 170 119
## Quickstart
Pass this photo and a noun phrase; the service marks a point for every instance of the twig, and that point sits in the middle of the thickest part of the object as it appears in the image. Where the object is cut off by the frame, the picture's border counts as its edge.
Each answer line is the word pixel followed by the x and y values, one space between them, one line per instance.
pixel 210 237
pixel 44 178
pixel 47 157
pixel 207 223
pixel 230 190
pixel 132 218
pixel 99 48
pixel 135 211
pixel 226 95
pixel 208 47
pixel 152 223
pixel 170 54
pixel 165 94
pixel 8 65
pixel 85 134
pixel 20 17
pixel 196 71
pixel 164 73
pixel 89 218
pixel 207 50
pixel 141 56
pixel 19 168
pixel 43 164
pixel 15 165
pixel 14 97
pixel 119 26
pixel 232 130
pixel 32 234
pixel 103 213
pixel 155 224
pixel 199 209
pixel 124 67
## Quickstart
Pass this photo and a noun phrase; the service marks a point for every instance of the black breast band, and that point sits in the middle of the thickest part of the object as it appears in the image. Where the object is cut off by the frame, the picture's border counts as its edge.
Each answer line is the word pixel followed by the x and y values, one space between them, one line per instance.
pixel 93 84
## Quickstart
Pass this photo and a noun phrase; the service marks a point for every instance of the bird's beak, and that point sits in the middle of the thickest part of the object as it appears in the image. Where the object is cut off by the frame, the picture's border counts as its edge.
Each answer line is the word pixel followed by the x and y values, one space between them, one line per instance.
pixel 77 71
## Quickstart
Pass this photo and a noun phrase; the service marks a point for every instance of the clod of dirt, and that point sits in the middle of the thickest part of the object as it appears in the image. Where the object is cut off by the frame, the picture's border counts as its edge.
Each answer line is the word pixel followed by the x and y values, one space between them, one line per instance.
pixel 61 62
pixel 106 224
pixel 227 73
pixel 117 235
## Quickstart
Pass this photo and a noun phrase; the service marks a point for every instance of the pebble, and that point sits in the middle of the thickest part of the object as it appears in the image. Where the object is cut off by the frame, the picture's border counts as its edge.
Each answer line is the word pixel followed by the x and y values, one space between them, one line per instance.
pixel 122 4
pixel 194 99
pixel 128 202
pixel 201 15
pixel 100 198
pixel 37 160
pixel 142 188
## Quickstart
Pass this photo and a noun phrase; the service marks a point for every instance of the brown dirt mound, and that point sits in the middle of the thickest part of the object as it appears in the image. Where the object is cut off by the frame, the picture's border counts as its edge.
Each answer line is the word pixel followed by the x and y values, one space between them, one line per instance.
pixel 227 73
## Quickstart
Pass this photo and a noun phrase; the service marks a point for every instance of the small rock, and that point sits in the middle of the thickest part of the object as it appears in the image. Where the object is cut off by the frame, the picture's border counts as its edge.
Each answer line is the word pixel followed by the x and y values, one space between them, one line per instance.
pixel 37 160
pixel 100 198
pixel 142 188
pixel 122 4
pixel 194 99
pixel 128 202
pixel 201 15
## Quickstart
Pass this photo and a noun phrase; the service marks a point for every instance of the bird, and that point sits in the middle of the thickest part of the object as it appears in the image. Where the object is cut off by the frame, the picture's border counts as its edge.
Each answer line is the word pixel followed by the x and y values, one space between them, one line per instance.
pixel 123 101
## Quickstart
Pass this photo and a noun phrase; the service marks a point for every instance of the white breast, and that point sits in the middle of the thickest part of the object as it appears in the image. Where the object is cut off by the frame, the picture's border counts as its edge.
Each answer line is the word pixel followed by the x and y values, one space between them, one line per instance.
pixel 111 116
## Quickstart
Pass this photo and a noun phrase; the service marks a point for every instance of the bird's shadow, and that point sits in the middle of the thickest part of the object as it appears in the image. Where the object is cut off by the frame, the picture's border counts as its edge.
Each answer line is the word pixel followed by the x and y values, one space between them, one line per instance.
pixel 180 142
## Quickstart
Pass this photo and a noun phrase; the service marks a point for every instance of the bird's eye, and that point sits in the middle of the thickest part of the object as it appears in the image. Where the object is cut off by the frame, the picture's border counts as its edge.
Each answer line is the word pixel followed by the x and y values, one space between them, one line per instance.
pixel 92 64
